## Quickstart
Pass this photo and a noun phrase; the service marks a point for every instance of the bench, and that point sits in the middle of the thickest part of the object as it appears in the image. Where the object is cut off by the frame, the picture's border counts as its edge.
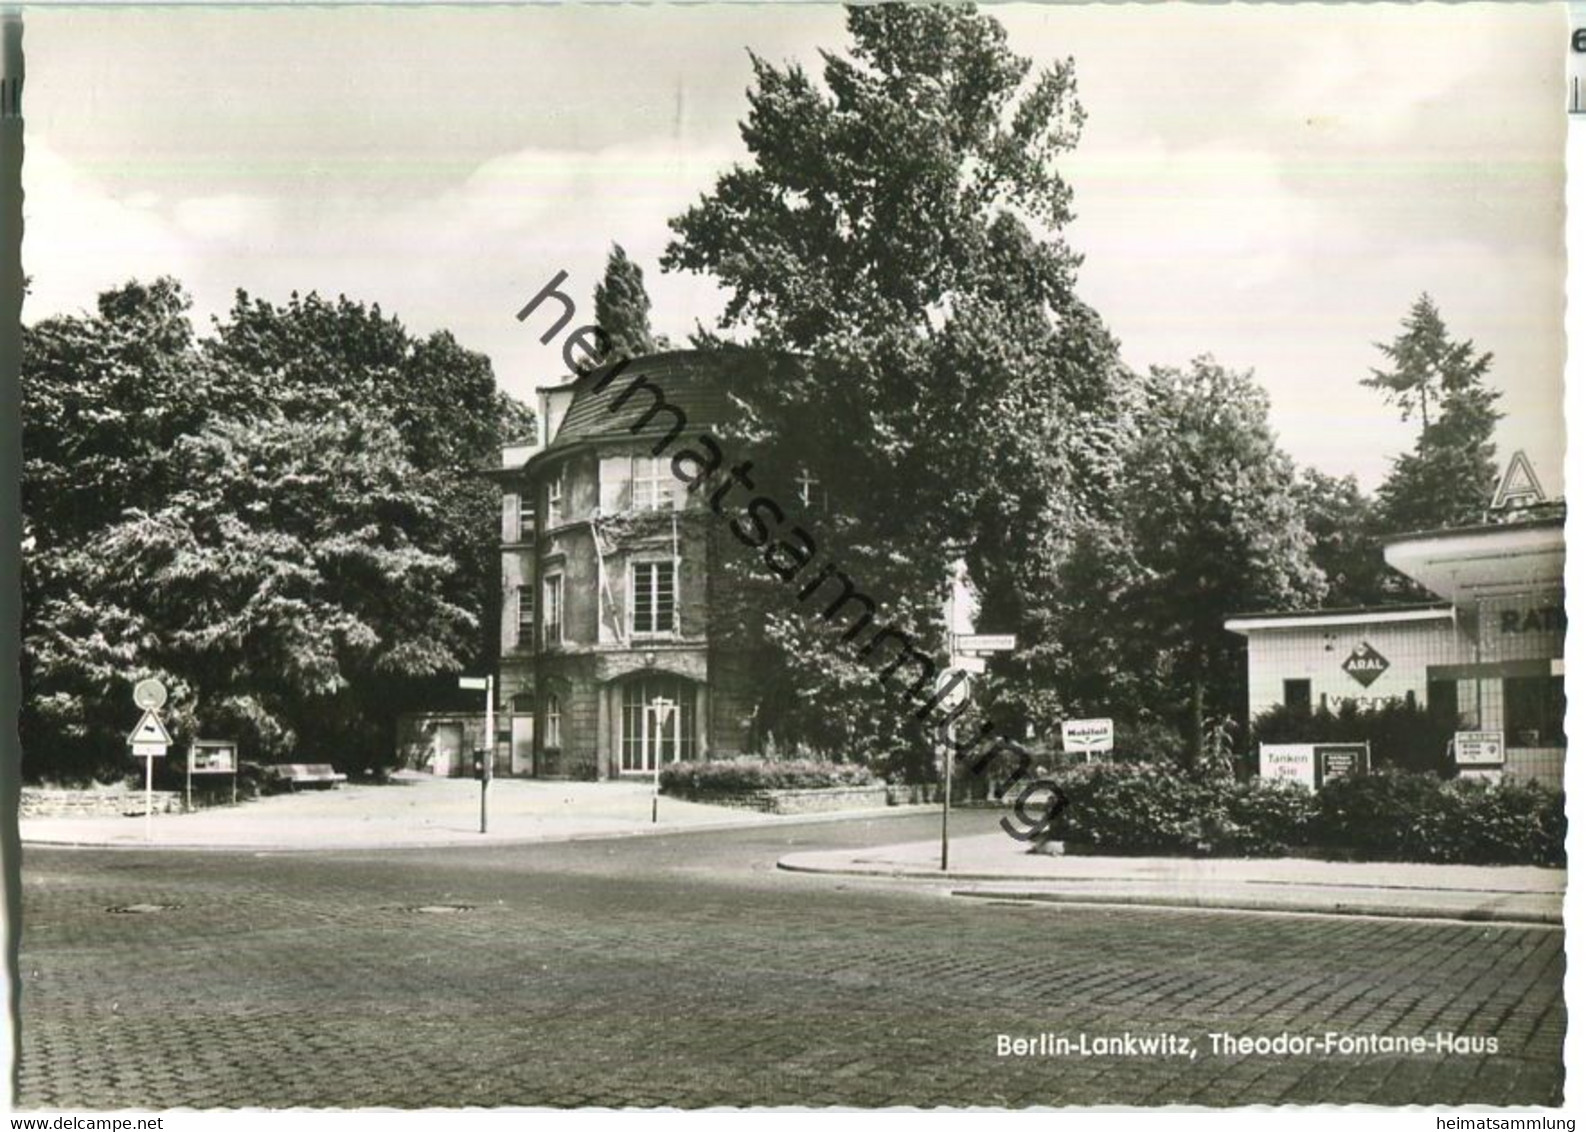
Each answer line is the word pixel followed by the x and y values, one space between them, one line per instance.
pixel 289 776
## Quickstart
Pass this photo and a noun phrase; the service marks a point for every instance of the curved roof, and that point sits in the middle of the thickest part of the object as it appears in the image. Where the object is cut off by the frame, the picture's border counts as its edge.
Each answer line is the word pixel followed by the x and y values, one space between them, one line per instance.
pixel 695 382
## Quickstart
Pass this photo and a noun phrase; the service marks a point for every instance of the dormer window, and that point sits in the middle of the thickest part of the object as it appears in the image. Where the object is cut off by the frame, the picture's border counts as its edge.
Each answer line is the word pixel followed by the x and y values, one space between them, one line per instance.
pixel 654 485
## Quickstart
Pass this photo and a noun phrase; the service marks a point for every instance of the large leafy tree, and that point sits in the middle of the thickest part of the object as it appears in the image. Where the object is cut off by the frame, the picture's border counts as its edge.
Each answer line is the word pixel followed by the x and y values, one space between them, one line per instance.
pixel 896 234
pixel 1447 480
pixel 279 590
pixel 1212 525
pixel 282 520
pixel 1343 525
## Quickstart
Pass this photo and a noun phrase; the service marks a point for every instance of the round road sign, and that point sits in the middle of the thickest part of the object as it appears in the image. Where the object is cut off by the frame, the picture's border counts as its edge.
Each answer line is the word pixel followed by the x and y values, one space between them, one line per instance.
pixel 955 681
pixel 149 695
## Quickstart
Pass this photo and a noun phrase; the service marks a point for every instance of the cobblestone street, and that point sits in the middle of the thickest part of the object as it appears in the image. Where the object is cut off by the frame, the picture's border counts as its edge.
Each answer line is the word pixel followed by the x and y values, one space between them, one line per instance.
pixel 685 970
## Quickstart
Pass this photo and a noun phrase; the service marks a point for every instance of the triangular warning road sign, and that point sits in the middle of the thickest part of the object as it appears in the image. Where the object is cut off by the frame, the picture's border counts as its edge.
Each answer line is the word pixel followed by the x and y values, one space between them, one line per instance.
pixel 1519 486
pixel 150 730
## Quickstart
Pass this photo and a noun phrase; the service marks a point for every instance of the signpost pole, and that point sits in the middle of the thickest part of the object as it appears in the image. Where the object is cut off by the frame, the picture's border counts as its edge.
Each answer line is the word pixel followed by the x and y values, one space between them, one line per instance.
pixel 947 785
pixel 188 808
pixel 148 797
pixel 490 754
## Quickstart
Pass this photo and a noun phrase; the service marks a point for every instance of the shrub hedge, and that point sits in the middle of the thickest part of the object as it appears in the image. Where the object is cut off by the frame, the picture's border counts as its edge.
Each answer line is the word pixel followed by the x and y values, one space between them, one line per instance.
pixel 1402 735
pixel 748 774
pixel 1390 815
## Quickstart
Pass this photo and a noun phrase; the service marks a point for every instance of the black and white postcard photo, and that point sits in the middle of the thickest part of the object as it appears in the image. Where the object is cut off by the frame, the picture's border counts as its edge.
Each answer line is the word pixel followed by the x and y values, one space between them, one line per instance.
pixel 893 556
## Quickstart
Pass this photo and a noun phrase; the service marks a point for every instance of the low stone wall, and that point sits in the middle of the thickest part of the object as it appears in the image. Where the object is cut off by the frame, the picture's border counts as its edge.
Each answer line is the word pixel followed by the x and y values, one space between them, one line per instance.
pixel 38 802
pixel 802 801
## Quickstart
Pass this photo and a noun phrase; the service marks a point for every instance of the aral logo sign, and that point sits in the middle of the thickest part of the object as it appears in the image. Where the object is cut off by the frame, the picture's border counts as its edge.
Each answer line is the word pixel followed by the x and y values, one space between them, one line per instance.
pixel 1365 664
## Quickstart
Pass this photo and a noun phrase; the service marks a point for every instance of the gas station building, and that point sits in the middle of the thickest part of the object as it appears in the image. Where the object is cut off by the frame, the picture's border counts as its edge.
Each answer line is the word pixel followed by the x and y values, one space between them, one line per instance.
pixel 1487 656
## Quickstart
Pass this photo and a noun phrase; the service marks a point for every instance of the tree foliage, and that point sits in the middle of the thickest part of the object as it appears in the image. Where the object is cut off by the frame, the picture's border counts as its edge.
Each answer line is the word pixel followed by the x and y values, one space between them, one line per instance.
pixel 281 521
pixel 1447 480
pixel 622 307
pixel 1208 524
pixel 1344 527
pixel 896 235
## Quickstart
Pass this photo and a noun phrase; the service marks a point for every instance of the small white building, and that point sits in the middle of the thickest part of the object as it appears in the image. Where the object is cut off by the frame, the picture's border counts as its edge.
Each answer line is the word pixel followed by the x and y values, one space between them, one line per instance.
pixel 1489 656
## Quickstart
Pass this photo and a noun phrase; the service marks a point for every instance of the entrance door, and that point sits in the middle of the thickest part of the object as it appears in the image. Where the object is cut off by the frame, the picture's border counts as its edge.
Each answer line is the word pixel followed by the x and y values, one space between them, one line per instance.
pixel 659 740
pixel 448 748
pixel 522 744
pixel 657 723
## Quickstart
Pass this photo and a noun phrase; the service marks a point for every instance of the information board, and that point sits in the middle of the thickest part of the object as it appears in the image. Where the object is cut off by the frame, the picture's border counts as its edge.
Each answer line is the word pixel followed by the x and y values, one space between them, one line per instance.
pixel 213 758
pixel 1340 760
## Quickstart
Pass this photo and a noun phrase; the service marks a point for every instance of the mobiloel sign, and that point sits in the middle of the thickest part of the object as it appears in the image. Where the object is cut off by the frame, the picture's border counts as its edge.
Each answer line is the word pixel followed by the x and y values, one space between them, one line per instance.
pixel 1087 735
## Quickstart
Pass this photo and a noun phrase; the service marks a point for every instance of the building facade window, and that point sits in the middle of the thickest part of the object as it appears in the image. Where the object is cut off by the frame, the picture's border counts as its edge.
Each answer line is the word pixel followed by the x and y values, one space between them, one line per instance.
pixel 1533 711
pixel 657 722
pixel 1297 695
pixel 655 488
pixel 523 601
pixel 553 720
pixel 652 598
pixel 511 518
pixel 552 605
pixel 553 501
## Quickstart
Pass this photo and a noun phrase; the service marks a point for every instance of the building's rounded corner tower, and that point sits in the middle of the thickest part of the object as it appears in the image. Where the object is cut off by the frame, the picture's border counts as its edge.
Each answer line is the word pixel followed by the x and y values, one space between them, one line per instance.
pixel 609 564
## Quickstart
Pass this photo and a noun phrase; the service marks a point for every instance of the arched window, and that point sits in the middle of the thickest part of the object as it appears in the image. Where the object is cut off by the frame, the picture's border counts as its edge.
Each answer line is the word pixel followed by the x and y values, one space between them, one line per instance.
pixel 553 720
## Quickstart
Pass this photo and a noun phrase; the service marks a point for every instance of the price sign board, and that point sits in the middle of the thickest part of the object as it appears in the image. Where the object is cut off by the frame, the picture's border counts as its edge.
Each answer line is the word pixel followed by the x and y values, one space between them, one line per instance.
pixel 1340 760
pixel 1478 748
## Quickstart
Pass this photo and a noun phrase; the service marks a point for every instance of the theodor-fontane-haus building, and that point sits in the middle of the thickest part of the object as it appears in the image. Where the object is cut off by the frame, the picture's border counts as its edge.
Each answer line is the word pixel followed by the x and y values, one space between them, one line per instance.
pixel 1487 657
pixel 609 571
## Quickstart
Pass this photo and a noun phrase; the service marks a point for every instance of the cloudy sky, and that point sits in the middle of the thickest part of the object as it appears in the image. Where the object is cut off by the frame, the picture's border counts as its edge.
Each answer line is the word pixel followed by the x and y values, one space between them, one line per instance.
pixel 1269 184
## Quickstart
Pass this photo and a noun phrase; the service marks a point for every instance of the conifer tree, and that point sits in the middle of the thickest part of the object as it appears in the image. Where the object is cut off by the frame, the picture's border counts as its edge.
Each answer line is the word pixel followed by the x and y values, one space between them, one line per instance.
pixel 622 308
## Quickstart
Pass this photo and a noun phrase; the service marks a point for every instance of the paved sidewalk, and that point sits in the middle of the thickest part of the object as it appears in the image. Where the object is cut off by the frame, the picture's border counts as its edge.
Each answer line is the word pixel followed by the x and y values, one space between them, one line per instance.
pixel 416 812
pixel 996 866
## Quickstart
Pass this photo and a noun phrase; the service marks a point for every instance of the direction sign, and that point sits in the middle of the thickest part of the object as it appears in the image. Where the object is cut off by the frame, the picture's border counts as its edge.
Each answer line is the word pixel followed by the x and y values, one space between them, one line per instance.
pixel 1478 748
pixel 474 683
pixel 984 642
pixel 150 732
pixel 975 665
pixel 1087 735
pixel 149 694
